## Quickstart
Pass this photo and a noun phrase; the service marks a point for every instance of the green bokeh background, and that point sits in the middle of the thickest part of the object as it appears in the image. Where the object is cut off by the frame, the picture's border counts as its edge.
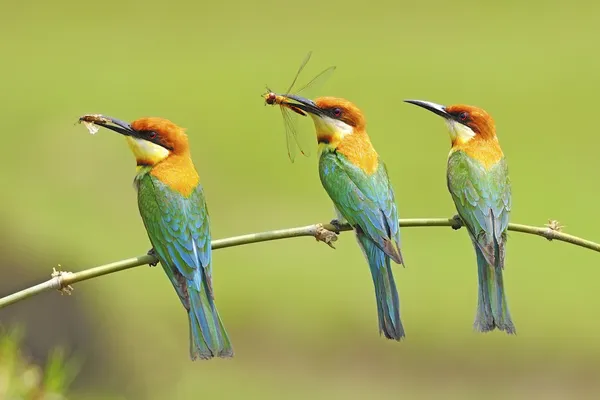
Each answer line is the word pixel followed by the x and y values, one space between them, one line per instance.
pixel 301 316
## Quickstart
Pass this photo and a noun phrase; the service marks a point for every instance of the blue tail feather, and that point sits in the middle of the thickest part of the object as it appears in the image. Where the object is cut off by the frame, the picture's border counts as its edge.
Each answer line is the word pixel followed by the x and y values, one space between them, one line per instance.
pixel 492 305
pixel 386 294
pixel 208 337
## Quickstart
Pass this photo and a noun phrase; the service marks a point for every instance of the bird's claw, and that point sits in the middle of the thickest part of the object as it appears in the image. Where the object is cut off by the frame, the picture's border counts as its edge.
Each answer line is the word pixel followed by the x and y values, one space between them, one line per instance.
pixel 326 236
pixel 337 225
pixel 152 253
pixel 457 222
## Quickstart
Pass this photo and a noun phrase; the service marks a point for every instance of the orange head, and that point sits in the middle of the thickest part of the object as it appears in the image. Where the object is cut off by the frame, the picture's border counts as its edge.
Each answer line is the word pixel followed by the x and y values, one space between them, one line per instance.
pixel 464 122
pixel 335 118
pixel 340 127
pixel 151 140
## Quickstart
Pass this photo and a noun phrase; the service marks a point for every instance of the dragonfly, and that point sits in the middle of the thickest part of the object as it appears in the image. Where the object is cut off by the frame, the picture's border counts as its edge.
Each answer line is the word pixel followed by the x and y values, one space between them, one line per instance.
pixel 289 112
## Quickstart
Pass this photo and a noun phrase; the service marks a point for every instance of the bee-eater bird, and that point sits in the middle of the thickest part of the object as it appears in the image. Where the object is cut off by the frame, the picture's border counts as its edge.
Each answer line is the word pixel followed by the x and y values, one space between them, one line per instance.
pixel 357 182
pixel 172 205
pixel 477 178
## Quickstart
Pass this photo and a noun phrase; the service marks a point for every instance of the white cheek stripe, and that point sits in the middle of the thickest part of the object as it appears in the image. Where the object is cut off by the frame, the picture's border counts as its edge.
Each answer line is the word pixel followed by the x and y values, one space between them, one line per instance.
pixel 145 149
pixel 460 131
pixel 338 126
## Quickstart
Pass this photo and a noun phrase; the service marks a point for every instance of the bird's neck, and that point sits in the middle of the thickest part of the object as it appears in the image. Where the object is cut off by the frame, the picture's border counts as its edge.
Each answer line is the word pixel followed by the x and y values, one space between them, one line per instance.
pixel 486 151
pixel 358 149
pixel 176 171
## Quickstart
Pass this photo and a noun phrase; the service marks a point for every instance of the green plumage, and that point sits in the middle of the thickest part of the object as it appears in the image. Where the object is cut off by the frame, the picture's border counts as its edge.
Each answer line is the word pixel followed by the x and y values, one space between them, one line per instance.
pixel 367 203
pixel 178 228
pixel 483 200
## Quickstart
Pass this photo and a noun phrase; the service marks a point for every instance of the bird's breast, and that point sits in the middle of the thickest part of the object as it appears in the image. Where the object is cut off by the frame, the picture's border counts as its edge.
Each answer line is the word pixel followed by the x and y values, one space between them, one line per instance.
pixel 487 152
pixel 359 151
pixel 178 173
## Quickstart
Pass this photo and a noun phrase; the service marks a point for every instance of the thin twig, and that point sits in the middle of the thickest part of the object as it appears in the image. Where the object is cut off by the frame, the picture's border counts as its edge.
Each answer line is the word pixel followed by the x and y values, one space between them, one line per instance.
pixel 322 232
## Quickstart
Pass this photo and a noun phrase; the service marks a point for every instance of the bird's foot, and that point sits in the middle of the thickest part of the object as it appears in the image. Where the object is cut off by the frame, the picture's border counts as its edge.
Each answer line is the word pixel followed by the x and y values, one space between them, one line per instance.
pixel 152 253
pixel 457 222
pixel 337 225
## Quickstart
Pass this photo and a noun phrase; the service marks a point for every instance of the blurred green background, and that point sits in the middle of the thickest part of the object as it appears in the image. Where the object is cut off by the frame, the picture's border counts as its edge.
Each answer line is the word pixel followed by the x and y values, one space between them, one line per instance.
pixel 301 316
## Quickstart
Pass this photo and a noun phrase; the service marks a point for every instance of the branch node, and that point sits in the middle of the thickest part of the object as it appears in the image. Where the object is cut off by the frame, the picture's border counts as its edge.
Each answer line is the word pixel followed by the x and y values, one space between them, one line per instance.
pixel 326 236
pixel 552 227
pixel 456 222
pixel 58 278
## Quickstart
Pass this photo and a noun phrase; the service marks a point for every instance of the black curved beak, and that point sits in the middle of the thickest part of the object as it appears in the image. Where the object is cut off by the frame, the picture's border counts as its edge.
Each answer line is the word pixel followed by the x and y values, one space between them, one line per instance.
pixel 114 124
pixel 306 105
pixel 433 107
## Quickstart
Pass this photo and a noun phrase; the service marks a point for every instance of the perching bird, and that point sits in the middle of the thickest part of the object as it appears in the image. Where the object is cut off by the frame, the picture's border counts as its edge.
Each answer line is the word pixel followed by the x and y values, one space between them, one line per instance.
pixel 172 206
pixel 478 181
pixel 356 179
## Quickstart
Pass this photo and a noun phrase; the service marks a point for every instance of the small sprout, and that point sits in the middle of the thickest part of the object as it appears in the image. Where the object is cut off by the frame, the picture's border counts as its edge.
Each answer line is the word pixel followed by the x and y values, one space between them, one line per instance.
pixel 553 226
pixel 326 236
pixel 60 286
pixel 90 120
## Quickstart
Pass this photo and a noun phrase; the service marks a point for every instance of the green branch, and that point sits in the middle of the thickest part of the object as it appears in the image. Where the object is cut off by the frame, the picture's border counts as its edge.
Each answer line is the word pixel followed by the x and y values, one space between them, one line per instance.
pixel 62 281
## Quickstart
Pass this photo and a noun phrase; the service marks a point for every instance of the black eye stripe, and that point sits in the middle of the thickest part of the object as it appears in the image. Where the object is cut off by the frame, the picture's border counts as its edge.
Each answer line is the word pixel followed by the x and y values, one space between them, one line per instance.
pixel 153 137
pixel 336 112
pixel 461 116
pixel 148 134
pixel 341 114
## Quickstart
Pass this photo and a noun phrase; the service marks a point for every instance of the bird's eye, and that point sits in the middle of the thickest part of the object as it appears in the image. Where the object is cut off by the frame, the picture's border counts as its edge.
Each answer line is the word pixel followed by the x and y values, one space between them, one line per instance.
pixel 152 135
pixel 337 112
pixel 463 116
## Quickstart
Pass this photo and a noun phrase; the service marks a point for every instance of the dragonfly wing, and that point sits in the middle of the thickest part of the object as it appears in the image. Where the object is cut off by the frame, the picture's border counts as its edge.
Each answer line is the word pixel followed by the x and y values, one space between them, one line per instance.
pixel 306 58
pixel 315 83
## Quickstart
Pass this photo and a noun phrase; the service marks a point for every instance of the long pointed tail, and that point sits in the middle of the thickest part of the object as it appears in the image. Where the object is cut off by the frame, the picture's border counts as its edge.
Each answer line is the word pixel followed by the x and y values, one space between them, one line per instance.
pixel 208 337
pixel 492 306
pixel 386 294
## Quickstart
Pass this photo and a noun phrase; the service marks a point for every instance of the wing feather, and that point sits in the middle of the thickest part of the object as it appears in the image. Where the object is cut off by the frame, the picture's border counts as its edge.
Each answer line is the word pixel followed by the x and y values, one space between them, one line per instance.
pixel 483 201
pixel 179 230
pixel 365 201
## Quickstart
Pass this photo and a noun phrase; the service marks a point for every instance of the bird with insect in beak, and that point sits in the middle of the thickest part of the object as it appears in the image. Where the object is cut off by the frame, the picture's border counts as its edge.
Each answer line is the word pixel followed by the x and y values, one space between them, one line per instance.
pixel 477 178
pixel 172 205
pixel 357 182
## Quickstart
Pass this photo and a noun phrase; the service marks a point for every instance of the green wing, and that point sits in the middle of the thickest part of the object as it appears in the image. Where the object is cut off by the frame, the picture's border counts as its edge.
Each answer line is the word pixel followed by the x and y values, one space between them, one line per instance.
pixel 483 200
pixel 366 201
pixel 178 228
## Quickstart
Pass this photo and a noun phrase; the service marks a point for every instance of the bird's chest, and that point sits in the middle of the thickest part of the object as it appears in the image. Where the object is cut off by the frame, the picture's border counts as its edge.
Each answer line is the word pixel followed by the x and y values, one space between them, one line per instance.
pixel 484 153
pixel 360 154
